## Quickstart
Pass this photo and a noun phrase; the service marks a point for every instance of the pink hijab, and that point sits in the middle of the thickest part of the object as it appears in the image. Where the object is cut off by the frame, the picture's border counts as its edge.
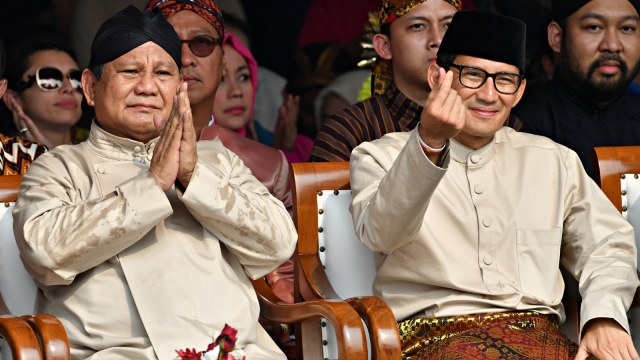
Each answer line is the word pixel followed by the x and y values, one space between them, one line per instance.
pixel 233 41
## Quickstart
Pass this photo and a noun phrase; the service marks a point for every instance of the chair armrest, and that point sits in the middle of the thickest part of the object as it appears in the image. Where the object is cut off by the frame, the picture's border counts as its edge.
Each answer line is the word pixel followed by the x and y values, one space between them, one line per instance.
pixel 54 339
pixel 382 326
pixel 352 343
pixel 20 337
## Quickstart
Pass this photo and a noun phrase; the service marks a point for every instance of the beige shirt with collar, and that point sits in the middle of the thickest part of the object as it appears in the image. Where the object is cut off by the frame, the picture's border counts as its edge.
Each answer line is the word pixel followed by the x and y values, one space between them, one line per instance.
pixel 136 273
pixel 489 230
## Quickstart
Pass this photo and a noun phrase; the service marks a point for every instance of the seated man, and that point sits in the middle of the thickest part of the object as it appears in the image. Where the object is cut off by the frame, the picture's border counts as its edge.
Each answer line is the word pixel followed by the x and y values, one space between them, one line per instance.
pixel 474 219
pixel 143 244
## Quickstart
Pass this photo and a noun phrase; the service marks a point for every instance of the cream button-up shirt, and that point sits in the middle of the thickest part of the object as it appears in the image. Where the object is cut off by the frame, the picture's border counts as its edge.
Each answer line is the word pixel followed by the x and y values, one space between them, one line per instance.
pixel 489 231
pixel 136 273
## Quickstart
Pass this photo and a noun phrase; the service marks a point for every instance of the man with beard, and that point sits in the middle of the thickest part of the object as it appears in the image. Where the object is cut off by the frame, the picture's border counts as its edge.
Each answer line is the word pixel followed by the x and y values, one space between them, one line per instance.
pixel 586 104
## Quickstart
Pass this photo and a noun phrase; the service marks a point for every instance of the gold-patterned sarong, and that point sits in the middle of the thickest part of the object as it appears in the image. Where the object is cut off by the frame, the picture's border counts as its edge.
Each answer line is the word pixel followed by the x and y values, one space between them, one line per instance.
pixel 508 335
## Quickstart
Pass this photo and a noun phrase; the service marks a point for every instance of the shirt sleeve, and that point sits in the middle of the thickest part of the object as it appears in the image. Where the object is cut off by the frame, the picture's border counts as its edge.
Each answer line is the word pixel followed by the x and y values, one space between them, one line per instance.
pixel 233 205
pixel 598 249
pixel 391 194
pixel 61 233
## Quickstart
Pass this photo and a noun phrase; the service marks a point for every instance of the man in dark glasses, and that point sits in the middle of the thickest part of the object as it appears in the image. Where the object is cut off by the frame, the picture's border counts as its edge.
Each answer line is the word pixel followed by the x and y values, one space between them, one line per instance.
pixel 200 27
pixel 138 237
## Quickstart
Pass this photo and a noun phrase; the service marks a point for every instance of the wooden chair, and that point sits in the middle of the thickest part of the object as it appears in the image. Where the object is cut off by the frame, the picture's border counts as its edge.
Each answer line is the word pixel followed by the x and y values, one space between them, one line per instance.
pixel 619 173
pixel 23 333
pixel 28 336
pixel 324 247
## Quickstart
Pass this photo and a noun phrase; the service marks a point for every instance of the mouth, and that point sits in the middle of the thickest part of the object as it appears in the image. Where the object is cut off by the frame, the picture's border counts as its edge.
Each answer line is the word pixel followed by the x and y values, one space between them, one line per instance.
pixel 190 79
pixel 236 110
pixel 483 112
pixel 144 107
pixel 609 67
pixel 67 104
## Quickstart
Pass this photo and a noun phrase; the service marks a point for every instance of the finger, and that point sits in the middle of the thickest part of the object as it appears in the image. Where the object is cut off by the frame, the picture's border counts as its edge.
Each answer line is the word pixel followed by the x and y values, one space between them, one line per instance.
pixel 582 353
pixel 443 90
pixel 462 112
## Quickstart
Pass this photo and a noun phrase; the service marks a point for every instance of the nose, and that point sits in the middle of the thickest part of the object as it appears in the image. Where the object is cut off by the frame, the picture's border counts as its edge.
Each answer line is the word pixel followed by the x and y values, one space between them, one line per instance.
pixel 146 84
pixel 610 41
pixel 188 58
pixel 435 37
pixel 487 93
pixel 233 87
pixel 66 87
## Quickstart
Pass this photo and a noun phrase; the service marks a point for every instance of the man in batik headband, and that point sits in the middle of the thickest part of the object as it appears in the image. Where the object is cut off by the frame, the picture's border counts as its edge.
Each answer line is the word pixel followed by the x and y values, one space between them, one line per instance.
pixel 586 104
pixel 141 239
pixel 474 219
pixel 409 38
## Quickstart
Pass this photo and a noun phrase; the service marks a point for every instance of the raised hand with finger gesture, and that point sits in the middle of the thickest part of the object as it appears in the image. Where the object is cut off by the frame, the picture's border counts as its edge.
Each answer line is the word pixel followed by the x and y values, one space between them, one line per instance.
pixel 443 116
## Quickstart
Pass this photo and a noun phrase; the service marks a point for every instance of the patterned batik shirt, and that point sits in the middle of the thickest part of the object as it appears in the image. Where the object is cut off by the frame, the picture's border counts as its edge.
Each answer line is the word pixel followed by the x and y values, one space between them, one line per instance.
pixel 16 154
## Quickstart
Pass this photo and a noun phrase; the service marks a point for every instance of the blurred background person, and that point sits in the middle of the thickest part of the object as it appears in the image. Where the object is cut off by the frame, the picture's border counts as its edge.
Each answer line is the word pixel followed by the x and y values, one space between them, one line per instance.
pixel 235 100
pixel 340 93
pixel 45 91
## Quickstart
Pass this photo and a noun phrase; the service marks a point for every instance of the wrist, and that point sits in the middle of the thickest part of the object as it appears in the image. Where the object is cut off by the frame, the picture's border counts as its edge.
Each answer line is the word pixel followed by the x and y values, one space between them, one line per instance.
pixel 432 150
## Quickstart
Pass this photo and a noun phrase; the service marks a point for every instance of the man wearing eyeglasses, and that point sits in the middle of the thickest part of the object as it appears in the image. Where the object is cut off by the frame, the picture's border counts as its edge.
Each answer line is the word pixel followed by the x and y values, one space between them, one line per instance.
pixel 142 240
pixel 473 219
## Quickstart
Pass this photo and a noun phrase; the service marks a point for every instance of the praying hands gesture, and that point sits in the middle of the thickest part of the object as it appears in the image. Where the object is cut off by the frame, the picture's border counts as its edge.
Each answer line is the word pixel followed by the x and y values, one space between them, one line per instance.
pixel 174 157
pixel 443 116
pixel 606 339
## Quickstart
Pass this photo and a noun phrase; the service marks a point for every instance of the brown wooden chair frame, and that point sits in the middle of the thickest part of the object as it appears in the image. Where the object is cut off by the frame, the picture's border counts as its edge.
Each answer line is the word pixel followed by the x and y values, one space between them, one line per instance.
pixel 25 333
pixel 311 281
pixel 612 163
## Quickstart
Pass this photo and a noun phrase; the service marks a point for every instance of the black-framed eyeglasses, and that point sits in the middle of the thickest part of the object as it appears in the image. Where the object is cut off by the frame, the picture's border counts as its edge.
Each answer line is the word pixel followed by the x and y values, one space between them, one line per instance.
pixel 51 79
pixel 202 45
pixel 504 82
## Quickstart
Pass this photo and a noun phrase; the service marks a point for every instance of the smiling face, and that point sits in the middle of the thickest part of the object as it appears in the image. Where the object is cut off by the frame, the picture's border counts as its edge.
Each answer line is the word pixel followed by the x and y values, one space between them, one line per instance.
pixel 131 90
pixel 599 47
pixel 233 106
pixel 56 108
pixel 486 108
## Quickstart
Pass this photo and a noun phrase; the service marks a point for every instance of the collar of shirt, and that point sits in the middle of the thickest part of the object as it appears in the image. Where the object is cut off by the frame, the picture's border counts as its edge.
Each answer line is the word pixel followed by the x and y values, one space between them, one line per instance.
pixel 406 111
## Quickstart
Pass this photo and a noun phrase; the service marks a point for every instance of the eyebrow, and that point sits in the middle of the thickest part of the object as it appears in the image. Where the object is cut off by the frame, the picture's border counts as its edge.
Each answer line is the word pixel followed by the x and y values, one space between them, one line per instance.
pixel 420 17
pixel 601 17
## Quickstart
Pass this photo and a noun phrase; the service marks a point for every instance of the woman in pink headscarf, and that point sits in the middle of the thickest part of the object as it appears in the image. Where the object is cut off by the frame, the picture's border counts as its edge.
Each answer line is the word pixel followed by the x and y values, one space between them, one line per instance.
pixel 235 100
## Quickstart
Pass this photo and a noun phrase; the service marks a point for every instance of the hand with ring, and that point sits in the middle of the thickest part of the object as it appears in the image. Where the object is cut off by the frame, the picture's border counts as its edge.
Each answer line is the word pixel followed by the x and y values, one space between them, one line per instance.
pixel 28 129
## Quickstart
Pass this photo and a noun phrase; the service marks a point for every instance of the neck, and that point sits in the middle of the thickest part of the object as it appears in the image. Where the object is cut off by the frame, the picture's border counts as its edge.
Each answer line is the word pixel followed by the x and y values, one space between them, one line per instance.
pixel 57 135
pixel 201 113
pixel 418 95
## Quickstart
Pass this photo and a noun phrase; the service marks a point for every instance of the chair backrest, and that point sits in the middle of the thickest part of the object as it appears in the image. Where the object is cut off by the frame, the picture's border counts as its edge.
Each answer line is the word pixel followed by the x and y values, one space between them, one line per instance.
pixel 329 253
pixel 619 169
pixel 17 288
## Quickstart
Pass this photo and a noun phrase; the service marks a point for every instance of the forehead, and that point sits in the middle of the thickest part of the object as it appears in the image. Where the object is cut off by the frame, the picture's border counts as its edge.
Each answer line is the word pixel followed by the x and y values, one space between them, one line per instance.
pixel 429 10
pixel 187 23
pixel 56 58
pixel 610 9
pixel 147 54
pixel 484 64
pixel 233 58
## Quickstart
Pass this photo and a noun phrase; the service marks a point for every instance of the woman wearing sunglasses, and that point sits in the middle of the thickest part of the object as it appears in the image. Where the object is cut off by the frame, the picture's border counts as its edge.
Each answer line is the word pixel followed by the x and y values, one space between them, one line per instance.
pixel 45 91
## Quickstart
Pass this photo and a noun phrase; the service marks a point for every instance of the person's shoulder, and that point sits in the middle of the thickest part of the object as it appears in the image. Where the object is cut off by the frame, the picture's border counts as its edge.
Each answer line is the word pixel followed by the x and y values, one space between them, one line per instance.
pixel 529 142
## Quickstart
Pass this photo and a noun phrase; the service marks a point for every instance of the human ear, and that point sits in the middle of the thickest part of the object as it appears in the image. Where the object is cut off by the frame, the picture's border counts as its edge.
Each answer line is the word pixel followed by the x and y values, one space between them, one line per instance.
pixel 554 36
pixel 382 45
pixel 89 86
pixel 433 75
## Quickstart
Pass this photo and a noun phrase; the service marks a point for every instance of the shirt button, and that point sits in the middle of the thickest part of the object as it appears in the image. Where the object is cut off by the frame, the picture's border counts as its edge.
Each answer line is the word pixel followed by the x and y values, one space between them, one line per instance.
pixel 486 222
pixel 478 189
pixel 475 158
pixel 149 156
pixel 101 171
pixel 487 259
pixel 137 149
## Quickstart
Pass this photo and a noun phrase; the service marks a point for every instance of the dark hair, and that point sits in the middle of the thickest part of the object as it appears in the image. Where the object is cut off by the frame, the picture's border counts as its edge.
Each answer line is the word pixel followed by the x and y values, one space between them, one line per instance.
pixel 32 41
pixel 96 70
pixel 385 29
pixel 444 60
